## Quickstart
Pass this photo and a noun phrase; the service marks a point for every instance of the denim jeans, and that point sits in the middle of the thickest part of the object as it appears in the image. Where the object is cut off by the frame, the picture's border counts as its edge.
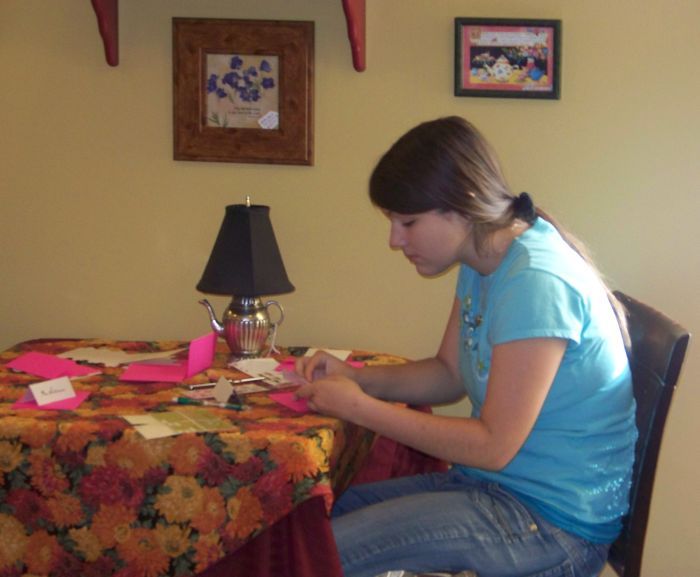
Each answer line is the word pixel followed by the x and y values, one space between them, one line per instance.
pixel 451 522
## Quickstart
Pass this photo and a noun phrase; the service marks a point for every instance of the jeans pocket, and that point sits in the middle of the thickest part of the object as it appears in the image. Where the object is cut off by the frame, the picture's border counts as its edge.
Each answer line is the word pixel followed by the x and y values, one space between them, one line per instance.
pixel 510 516
pixel 565 569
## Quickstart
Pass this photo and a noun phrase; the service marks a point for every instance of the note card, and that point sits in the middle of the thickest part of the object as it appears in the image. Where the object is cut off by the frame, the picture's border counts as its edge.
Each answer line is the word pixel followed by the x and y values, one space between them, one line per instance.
pixel 51 394
pixel 266 368
pixel 114 357
pixel 52 391
pixel 49 366
pixel 199 358
pixel 289 364
pixel 223 390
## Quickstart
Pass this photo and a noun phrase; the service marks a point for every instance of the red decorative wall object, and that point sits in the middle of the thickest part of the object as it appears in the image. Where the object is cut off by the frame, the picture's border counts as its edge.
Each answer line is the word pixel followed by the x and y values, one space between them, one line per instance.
pixel 107 12
pixel 355 16
pixel 108 22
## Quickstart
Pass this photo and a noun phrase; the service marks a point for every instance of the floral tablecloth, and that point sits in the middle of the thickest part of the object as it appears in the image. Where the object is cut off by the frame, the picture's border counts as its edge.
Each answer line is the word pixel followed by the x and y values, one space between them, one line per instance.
pixel 82 493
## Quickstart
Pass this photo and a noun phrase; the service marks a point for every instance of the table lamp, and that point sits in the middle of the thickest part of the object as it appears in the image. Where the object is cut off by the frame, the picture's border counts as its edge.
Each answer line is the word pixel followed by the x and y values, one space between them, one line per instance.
pixel 246 264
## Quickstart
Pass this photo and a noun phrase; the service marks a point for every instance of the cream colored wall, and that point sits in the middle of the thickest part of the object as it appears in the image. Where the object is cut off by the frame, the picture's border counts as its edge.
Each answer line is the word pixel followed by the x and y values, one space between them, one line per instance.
pixel 103 234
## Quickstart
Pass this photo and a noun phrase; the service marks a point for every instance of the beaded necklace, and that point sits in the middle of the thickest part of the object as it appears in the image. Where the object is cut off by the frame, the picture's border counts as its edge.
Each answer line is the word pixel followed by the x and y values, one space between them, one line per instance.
pixel 472 319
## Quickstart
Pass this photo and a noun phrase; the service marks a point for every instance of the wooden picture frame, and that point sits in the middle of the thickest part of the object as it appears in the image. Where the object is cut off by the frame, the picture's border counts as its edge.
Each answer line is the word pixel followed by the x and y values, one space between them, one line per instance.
pixel 243 90
pixel 508 58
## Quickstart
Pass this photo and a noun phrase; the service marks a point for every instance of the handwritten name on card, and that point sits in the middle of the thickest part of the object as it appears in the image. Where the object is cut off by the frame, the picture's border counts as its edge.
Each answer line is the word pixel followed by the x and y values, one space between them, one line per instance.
pixel 52 391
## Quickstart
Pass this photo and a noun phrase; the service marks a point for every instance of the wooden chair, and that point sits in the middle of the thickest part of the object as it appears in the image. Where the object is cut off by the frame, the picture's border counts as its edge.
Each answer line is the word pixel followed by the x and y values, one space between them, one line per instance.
pixel 658 346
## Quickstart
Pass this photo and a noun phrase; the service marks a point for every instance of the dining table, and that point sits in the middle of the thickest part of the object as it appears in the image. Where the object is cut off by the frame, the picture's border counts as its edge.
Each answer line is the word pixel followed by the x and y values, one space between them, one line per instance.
pixel 245 491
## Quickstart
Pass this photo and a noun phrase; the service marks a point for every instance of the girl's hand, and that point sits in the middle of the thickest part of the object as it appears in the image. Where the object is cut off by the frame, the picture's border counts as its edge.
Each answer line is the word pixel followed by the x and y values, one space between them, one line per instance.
pixel 335 395
pixel 322 364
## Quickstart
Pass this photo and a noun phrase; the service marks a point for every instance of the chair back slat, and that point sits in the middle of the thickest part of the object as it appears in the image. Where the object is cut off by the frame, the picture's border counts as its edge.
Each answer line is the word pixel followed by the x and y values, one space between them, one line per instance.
pixel 657 351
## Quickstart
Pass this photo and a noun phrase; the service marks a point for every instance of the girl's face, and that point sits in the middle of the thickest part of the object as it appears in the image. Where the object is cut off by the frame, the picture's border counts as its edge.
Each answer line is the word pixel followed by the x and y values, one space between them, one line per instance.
pixel 433 241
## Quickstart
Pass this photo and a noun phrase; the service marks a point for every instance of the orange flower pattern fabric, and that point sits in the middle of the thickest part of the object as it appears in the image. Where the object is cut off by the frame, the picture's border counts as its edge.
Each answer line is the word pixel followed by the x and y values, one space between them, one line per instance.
pixel 82 493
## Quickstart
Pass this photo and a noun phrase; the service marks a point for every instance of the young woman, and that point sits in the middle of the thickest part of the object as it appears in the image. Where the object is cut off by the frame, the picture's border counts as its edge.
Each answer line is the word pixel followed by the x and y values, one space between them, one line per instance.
pixel 542 466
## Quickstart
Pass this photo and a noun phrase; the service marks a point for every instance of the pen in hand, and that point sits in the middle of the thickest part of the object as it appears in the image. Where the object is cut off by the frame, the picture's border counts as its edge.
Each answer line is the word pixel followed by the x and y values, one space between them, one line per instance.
pixel 188 401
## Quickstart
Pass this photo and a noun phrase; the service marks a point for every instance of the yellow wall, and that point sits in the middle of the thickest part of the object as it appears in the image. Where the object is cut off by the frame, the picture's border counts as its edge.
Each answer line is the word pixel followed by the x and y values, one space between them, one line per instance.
pixel 103 234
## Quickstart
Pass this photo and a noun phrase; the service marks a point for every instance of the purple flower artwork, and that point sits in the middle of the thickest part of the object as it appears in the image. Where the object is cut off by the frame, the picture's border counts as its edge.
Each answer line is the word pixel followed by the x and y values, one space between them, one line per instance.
pixel 242 91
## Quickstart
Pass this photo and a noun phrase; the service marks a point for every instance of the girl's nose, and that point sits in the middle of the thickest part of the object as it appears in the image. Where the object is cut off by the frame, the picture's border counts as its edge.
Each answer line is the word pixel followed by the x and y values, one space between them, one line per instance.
pixel 396 237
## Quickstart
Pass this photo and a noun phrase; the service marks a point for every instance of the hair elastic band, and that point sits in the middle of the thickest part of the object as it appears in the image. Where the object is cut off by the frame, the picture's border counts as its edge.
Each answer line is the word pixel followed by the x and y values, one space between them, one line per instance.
pixel 524 209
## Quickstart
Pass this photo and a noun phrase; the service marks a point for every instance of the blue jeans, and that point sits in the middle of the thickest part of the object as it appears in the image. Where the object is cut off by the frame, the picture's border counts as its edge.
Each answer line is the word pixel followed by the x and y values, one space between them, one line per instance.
pixel 451 522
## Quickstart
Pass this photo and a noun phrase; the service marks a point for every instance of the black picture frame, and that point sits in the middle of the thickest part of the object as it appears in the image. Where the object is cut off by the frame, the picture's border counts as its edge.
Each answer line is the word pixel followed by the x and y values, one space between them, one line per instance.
pixel 508 58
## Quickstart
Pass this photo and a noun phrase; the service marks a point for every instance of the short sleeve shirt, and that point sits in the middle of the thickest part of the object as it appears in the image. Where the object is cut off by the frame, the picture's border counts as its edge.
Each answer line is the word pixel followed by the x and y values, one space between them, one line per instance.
pixel 575 466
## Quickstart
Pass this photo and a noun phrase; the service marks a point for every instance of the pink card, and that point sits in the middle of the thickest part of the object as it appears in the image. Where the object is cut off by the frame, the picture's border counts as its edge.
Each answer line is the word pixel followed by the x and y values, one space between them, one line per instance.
pixel 148 373
pixel 201 354
pixel 28 402
pixel 49 366
pixel 286 365
pixel 199 357
pixel 288 399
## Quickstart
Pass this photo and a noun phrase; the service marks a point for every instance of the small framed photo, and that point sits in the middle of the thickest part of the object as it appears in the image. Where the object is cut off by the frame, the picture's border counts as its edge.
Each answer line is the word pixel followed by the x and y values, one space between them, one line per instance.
pixel 243 90
pixel 507 58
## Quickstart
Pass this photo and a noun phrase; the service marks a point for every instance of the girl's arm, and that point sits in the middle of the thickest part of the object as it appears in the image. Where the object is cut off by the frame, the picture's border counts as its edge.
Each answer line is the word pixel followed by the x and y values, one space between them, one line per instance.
pixel 520 377
pixel 435 380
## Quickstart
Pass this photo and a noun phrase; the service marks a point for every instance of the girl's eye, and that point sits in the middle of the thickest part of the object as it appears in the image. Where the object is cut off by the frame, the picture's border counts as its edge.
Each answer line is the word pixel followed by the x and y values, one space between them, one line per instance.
pixel 408 223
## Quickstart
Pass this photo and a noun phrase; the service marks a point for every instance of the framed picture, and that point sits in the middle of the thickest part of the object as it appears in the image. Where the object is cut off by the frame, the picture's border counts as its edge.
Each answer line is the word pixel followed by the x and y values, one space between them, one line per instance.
pixel 243 90
pixel 507 58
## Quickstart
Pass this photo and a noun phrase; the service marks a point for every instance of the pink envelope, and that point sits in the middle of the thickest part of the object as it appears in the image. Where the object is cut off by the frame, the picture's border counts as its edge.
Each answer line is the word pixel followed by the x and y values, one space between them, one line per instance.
pixel 49 366
pixel 288 399
pixel 199 357
pixel 28 402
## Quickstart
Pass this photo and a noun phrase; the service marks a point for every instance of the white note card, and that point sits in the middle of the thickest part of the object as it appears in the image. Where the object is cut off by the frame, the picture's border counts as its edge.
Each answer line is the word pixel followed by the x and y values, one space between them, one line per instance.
pixel 52 391
pixel 223 390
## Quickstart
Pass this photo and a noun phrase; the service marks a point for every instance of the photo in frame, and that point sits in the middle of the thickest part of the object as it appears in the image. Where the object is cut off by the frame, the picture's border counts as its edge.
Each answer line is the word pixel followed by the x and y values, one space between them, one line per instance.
pixel 507 58
pixel 243 90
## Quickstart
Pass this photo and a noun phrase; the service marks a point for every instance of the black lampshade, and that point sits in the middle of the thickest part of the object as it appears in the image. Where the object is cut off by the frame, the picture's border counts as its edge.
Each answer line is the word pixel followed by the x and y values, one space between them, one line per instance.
pixel 245 260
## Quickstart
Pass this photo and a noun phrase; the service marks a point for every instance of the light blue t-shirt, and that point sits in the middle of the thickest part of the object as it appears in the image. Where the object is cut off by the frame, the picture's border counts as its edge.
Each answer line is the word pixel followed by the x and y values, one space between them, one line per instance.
pixel 575 466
